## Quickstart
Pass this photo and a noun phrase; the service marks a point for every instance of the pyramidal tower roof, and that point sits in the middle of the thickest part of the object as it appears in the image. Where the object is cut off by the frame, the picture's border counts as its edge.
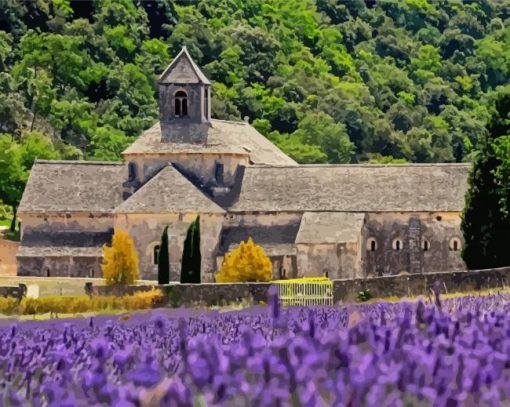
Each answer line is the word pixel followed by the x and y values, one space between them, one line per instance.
pixel 183 70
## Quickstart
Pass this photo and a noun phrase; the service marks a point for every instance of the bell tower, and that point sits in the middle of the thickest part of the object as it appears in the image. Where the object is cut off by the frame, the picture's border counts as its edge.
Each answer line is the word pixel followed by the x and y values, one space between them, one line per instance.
pixel 184 102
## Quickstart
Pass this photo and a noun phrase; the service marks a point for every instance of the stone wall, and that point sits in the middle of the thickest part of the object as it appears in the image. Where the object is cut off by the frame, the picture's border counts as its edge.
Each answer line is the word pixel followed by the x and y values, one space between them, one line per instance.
pixel 338 260
pixel 420 284
pixel 412 230
pixel 59 266
pixel 50 235
pixel 50 223
pixel 116 290
pixel 189 128
pixel 193 294
pixel 146 232
pixel 202 166
pixel 344 291
pixel 8 251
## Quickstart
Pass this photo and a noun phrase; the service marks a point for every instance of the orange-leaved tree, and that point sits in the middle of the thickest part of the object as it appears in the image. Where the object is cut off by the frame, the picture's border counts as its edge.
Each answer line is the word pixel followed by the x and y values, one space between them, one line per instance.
pixel 247 263
pixel 120 260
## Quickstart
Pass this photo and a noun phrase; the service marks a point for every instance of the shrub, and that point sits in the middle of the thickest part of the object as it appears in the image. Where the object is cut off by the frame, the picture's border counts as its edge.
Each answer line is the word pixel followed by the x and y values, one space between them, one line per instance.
pixel 81 303
pixel 486 216
pixel 8 306
pixel 163 259
pixel 247 263
pixel 191 256
pixel 365 295
pixel 120 261
pixel 5 211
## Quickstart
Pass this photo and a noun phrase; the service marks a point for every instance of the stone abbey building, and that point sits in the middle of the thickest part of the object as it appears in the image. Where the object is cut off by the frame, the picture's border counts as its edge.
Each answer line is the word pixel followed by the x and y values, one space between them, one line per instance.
pixel 340 221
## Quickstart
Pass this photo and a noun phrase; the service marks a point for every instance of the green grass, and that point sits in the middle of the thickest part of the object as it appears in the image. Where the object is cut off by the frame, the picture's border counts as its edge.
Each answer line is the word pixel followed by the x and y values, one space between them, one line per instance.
pixel 8 235
pixel 14 236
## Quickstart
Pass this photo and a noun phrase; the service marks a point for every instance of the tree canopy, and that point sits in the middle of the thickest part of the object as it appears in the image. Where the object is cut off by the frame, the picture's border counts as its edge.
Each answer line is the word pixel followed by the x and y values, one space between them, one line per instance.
pixel 328 81
pixel 486 217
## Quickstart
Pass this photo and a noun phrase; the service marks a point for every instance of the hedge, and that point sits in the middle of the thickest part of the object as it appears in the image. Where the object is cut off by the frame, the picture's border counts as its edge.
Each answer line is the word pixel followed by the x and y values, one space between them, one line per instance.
pixel 81 303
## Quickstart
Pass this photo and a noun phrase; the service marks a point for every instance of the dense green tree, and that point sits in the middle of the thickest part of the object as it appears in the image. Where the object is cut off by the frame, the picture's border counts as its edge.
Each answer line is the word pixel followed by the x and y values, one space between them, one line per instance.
pixel 163 259
pixel 191 257
pixel 16 160
pixel 327 81
pixel 486 217
pixel 320 129
pixel 12 174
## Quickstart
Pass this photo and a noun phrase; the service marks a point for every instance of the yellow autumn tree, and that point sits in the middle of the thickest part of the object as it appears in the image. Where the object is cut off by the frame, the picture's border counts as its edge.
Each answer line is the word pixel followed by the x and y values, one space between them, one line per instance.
pixel 247 263
pixel 120 260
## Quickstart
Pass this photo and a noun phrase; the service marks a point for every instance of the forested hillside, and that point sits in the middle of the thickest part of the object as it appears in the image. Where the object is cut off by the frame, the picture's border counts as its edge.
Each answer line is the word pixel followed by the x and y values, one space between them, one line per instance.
pixel 328 81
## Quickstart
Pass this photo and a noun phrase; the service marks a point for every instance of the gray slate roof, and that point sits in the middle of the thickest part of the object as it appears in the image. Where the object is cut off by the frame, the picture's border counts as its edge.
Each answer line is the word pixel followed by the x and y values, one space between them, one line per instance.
pixel 224 137
pixel 262 235
pixel 354 188
pixel 276 249
pixel 59 251
pixel 330 227
pixel 74 186
pixel 168 192
pixel 183 70
pixel 66 237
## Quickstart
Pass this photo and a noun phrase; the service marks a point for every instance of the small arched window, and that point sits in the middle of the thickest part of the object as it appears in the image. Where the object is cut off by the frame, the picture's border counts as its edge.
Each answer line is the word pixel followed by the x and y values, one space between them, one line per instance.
pixel 47 272
pixel 131 171
pixel 455 244
pixel 371 244
pixel 156 254
pixel 397 245
pixel 91 272
pixel 181 104
pixel 425 245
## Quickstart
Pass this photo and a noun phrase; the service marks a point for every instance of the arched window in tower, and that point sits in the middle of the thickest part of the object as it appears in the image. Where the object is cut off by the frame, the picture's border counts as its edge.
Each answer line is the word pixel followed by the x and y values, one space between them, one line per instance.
pixel 181 104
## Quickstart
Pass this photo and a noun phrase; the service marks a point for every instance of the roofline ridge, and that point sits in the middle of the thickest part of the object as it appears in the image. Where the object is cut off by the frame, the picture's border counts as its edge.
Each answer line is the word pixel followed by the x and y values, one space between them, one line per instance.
pixel 231 121
pixel 360 165
pixel 173 168
pixel 194 66
pixel 79 162
pixel 133 195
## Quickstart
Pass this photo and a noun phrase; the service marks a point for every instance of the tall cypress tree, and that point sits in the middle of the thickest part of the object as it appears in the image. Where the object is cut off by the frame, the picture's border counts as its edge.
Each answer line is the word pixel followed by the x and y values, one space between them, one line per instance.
pixel 486 218
pixel 191 257
pixel 163 259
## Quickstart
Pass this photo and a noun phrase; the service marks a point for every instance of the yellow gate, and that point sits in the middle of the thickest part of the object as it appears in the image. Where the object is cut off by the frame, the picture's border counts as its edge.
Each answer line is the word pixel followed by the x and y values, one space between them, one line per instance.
pixel 305 291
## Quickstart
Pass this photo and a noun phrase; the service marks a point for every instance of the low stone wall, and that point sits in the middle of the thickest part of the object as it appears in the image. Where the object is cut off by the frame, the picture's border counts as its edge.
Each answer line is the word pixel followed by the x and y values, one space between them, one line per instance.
pixel 194 294
pixel 344 291
pixel 116 290
pixel 216 293
pixel 420 284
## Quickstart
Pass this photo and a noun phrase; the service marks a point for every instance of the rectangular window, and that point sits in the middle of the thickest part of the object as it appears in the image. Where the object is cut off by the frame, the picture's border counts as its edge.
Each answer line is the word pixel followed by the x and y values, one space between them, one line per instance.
pixel 206 103
pixel 218 173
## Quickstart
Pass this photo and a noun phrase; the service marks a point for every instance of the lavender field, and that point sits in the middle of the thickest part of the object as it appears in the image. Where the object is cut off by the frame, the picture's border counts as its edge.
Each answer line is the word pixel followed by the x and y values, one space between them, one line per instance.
pixel 441 353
